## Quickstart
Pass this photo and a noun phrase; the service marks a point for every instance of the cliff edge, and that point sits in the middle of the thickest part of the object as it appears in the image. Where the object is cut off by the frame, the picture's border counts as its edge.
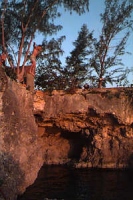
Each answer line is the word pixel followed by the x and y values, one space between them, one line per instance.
pixel 20 152
pixel 88 128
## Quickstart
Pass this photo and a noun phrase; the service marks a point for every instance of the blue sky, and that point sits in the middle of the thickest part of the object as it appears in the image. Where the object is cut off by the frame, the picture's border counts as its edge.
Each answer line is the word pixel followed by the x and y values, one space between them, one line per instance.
pixel 72 24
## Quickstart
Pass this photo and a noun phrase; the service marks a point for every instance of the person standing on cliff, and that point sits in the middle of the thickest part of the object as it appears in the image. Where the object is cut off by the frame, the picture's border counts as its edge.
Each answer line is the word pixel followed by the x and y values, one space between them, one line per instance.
pixel 36 51
pixel 31 74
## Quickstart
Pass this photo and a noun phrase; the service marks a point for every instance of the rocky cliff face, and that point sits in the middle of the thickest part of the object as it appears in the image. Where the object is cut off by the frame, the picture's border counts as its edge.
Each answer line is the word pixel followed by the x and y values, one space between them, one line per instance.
pixel 20 151
pixel 92 128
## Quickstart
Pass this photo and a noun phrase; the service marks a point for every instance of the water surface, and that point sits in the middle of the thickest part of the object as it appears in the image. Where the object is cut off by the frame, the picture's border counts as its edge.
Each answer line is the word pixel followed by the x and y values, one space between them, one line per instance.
pixel 62 182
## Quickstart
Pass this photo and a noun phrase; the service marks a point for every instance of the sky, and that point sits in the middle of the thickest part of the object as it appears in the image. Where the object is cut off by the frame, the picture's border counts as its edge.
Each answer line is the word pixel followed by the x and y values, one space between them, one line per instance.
pixel 72 24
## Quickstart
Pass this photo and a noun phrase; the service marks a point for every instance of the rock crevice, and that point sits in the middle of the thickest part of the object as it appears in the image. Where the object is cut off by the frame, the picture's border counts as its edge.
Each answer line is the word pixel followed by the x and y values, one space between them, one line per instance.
pixel 95 125
pixel 91 128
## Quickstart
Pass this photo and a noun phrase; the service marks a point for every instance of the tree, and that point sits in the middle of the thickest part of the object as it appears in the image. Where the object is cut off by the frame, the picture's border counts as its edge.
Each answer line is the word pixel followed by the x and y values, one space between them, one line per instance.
pixel 22 20
pixel 106 60
pixel 49 71
pixel 76 67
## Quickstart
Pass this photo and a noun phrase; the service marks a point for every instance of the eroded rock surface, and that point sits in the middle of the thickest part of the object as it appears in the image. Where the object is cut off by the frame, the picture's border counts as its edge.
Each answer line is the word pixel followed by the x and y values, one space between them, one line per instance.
pixel 91 128
pixel 20 153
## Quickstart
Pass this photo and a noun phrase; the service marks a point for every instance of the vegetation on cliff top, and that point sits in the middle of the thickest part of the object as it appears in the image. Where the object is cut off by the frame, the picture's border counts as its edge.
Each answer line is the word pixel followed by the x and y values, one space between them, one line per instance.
pixel 90 60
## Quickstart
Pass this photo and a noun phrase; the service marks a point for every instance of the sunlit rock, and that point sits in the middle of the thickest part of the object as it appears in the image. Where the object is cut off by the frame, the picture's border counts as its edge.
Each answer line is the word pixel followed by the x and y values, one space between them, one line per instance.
pixel 86 128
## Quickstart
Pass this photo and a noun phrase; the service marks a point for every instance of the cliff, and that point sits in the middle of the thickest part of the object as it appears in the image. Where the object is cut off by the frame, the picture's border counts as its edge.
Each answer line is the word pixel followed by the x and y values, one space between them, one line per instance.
pixel 20 152
pixel 88 128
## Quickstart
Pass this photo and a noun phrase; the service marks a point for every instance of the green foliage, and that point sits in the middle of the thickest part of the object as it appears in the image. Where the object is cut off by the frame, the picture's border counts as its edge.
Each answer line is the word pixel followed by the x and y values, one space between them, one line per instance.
pixel 49 71
pixel 50 74
pixel 97 61
pixel 77 64
pixel 24 19
pixel 106 60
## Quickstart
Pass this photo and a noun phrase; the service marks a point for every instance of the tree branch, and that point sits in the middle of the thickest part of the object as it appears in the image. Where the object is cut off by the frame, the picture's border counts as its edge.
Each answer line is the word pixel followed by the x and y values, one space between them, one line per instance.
pixel 2 24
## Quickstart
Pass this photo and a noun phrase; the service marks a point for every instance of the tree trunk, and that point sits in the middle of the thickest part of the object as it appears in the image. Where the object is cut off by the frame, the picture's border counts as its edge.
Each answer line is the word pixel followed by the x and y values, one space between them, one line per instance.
pixel 100 82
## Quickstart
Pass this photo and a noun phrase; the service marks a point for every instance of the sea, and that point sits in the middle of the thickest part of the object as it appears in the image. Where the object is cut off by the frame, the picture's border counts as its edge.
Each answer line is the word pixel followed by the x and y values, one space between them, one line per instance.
pixel 67 183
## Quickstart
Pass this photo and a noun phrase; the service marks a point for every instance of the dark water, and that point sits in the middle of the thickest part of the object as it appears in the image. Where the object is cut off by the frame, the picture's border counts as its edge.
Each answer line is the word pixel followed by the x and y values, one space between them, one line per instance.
pixel 61 182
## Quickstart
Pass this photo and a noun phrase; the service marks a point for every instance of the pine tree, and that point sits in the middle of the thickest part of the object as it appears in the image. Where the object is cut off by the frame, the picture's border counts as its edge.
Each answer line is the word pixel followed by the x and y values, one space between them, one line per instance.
pixel 49 71
pixel 77 63
pixel 107 55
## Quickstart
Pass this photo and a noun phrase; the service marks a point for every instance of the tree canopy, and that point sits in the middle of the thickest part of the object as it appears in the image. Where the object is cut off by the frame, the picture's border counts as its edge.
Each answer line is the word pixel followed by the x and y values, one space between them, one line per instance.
pixel 98 61
pixel 107 55
pixel 49 69
pixel 95 60
pixel 77 65
pixel 22 20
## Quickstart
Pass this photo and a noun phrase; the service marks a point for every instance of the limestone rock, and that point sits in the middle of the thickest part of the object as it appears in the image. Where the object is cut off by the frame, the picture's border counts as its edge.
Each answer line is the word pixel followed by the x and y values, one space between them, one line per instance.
pixel 88 128
pixel 95 127
pixel 20 150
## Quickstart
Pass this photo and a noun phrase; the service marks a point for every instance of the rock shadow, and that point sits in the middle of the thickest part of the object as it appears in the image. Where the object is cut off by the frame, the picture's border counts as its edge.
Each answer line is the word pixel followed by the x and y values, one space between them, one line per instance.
pixel 77 141
pixel 130 161
pixel 11 177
